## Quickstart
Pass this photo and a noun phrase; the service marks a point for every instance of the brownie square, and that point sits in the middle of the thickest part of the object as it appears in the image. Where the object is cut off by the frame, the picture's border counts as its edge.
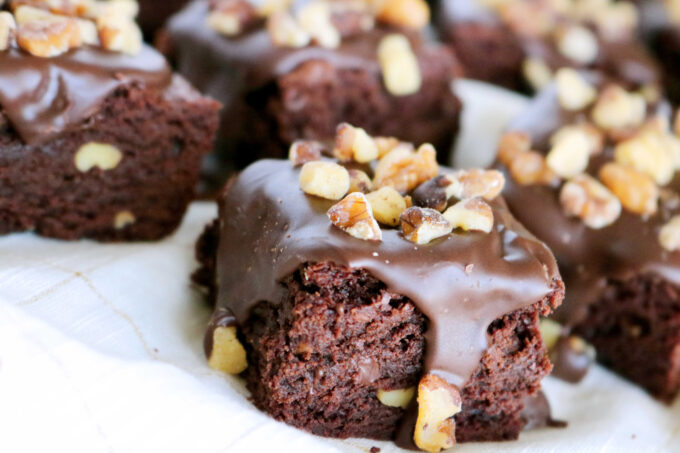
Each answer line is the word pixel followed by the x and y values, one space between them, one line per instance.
pixel 609 217
pixel 275 93
pixel 335 328
pixel 96 141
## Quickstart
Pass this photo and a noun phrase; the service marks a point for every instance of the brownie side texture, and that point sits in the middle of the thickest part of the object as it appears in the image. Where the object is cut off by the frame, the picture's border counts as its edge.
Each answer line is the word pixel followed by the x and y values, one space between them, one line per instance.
pixel 162 137
pixel 635 327
pixel 317 360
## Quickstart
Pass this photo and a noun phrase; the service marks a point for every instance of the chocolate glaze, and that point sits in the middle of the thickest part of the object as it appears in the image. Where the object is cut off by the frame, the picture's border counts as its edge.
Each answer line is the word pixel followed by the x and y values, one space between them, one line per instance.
pixel 269 227
pixel 625 60
pixel 588 258
pixel 42 97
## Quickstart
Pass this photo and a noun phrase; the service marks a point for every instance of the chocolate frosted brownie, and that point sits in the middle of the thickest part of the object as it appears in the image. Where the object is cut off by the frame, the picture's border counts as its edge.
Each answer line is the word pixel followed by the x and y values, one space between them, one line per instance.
pixel 295 73
pixel 98 138
pixel 519 44
pixel 592 171
pixel 404 304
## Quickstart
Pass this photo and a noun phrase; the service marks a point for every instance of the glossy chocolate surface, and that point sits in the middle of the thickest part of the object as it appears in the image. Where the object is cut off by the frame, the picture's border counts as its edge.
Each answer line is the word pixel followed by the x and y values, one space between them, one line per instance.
pixel 461 282
pixel 42 97
pixel 588 257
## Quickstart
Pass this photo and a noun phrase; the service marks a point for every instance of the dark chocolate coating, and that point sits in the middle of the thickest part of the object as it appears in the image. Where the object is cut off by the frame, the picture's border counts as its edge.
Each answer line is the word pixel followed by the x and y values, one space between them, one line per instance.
pixel 269 227
pixel 42 97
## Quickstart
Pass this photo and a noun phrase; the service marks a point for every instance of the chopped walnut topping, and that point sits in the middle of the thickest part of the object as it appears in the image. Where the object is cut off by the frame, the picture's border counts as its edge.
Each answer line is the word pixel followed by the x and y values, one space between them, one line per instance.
pixel 537 73
pixel 315 18
pixel 387 205
pixel 473 214
pixel 48 38
pixel 228 354
pixel 530 168
pixel 473 183
pixel 399 65
pixel 303 151
pixel 354 143
pixel 618 21
pixel 285 31
pixel 353 215
pixel 422 225
pixel 324 179
pixel 584 197
pixel 617 109
pixel 404 13
pixel 570 153
pixel 232 17
pixel 594 136
pixel 650 152
pixel 404 169
pixel 438 402
pixel 637 192
pixel 578 44
pixel 7 29
pixel 387 144
pixel 512 144
pixel 573 91
pixel 396 398
pixel 359 181
pixel 266 8
pixel 119 33
pixel 669 234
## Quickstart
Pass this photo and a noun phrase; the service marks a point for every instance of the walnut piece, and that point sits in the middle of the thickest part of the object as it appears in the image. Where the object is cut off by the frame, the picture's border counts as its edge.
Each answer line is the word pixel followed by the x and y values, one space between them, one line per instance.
pixel 404 169
pixel 387 205
pixel 433 193
pixel 353 143
pixel 7 29
pixel 422 225
pixel 353 215
pixel 472 183
pixel 123 219
pixel 617 109
pixel 228 354
pixel 573 91
pixel 315 19
pixel 359 181
pixel 303 151
pixel 669 234
pixel 569 154
pixel 404 13
pixel 284 30
pixel 119 33
pixel 399 65
pixel 584 197
pixel 324 179
pixel 530 167
pixel 473 214
pixel 94 154
pixel 636 191
pixel 537 73
pixel 48 38
pixel 438 402
pixel 511 145
pixel 578 44
pixel 396 398
pixel 649 152
pixel 593 135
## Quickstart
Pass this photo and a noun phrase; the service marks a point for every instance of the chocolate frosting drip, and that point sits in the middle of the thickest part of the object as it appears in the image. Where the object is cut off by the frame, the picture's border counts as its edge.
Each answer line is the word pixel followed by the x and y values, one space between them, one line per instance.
pixel 269 228
pixel 624 60
pixel 42 97
pixel 227 67
pixel 588 258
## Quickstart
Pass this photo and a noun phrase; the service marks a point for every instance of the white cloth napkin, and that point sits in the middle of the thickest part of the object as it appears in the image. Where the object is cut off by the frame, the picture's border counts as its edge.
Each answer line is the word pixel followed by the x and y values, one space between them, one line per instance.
pixel 101 351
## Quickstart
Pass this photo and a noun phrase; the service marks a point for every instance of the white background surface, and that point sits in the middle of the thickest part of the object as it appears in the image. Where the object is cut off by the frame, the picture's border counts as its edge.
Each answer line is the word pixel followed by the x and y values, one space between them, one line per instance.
pixel 101 351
